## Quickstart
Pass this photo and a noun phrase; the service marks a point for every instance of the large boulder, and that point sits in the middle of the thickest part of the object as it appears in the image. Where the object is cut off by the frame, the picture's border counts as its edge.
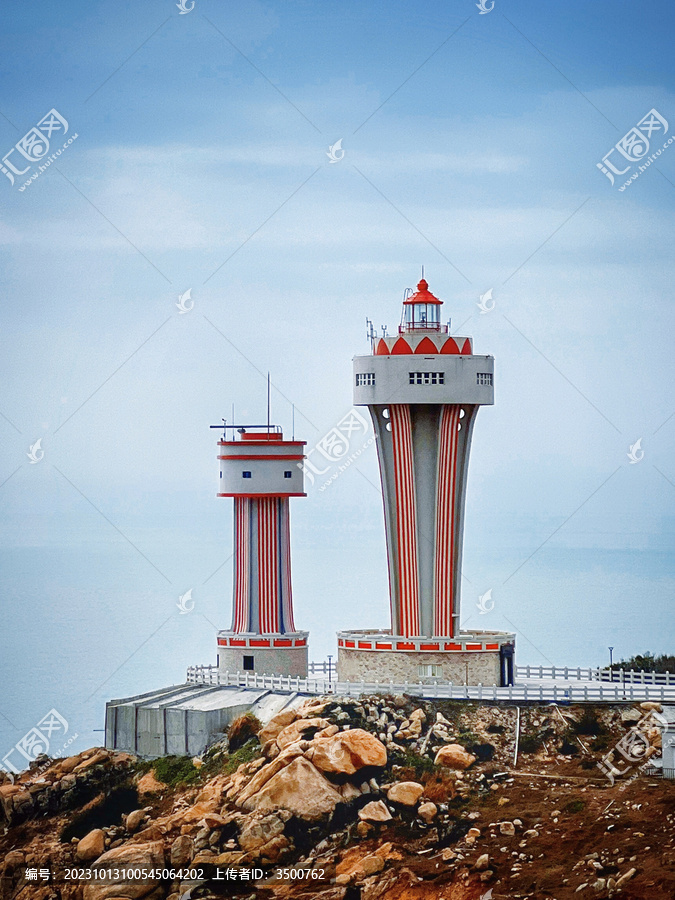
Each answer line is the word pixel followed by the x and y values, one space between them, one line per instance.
pixel 375 811
pixel 301 789
pixel 347 752
pixel 91 846
pixel 298 729
pixel 129 856
pixel 262 776
pixel 407 793
pixel 454 756
pixel 135 819
pixel 276 724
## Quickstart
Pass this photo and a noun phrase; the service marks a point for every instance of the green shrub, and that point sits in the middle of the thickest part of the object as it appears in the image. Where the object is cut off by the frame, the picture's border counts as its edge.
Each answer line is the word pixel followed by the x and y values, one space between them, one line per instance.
pixel 421 765
pixel 245 754
pixel 574 806
pixel 175 770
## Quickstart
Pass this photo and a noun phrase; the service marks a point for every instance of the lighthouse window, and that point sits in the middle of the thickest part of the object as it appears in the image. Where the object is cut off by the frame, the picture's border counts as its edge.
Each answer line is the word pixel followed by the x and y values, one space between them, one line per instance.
pixel 366 378
pixel 248 664
pixel 288 474
pixel 245 474
pixel 484 378
pixel 426 377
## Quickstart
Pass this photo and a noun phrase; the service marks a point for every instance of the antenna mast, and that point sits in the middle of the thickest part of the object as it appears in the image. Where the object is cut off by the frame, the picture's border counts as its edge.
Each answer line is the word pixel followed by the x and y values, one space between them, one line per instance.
pixel 268 405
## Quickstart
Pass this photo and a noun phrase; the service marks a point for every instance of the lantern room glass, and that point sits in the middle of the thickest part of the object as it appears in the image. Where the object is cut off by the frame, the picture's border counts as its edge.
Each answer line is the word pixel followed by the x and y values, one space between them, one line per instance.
pixel 422 315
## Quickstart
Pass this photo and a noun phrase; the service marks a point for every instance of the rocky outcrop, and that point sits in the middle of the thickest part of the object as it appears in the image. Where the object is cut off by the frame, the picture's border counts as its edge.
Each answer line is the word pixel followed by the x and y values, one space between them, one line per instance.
pixel 299 788
pixel 52 786
pixel 348 788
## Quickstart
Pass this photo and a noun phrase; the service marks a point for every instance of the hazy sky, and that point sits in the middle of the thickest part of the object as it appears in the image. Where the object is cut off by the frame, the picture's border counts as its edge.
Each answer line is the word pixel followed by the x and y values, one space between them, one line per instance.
pixel 471 144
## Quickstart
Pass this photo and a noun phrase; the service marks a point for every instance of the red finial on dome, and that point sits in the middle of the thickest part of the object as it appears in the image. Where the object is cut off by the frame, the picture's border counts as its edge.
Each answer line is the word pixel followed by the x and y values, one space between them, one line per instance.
pixel 423 295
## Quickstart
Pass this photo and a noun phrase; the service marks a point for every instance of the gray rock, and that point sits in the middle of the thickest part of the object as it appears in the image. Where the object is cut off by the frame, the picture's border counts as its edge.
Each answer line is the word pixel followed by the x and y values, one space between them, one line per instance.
pixel 134 820
pixel 182 851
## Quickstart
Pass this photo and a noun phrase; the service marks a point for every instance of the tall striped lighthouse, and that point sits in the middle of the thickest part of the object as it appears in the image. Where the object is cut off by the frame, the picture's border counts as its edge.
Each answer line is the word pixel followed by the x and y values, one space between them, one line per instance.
pixel 260 470
pixel 423 388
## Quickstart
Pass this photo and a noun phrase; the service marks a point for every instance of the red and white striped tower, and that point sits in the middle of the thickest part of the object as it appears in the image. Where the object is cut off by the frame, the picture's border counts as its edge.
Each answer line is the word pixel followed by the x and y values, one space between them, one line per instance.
pixel 261 471
pixel 423 388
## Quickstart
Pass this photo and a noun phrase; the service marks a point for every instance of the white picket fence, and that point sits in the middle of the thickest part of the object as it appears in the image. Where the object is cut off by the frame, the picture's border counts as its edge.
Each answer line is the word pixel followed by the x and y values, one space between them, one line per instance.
pixel 617 676
pixel 585 692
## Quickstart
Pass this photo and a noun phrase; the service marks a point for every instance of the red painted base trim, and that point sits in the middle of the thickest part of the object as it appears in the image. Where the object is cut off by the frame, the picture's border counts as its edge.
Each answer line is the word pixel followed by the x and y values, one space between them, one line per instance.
pixel 253 643
pixel 254 496
pixel 267 456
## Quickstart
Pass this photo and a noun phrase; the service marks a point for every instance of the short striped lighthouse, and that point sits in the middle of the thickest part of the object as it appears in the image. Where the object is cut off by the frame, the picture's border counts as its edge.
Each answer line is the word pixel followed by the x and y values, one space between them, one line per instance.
pixel 261 471
pixel 423 388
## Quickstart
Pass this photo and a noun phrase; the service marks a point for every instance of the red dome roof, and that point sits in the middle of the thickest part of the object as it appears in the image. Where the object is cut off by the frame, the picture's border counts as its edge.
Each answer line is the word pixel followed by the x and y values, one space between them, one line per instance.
pixel 423 295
